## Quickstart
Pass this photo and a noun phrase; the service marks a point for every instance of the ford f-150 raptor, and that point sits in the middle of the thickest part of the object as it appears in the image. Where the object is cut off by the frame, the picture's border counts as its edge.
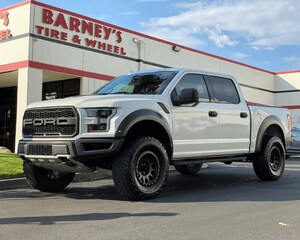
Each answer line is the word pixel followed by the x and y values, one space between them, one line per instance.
pixel 140 123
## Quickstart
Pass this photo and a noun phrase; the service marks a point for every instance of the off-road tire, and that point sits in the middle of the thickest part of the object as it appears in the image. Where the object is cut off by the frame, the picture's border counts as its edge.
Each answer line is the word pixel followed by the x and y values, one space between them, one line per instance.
pixel 140 170
pixel 190 169
pixel 46 180
pixel 269 163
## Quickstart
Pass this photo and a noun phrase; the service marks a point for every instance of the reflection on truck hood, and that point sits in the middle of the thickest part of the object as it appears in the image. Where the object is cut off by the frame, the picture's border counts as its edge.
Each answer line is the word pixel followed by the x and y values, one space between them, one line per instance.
pixel 92 101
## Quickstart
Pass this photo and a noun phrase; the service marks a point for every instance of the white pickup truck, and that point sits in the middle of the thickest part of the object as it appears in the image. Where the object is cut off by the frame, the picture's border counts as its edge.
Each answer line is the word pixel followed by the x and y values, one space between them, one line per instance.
pixel 140 123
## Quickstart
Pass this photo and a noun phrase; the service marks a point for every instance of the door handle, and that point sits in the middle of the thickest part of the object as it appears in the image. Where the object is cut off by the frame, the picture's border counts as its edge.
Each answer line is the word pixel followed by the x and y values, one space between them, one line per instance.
pixel 243 115
pixel 212 114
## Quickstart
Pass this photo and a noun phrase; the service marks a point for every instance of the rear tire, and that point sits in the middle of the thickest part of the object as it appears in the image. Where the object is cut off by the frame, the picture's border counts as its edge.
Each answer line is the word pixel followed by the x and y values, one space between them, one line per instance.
pixel 141 169
pixel 269 163
pixel 46 180
pixel 190 169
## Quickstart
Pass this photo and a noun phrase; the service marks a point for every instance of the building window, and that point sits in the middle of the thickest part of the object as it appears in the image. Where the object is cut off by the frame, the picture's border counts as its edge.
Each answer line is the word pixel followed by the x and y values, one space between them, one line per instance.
pixel 61 89
pixel 8 101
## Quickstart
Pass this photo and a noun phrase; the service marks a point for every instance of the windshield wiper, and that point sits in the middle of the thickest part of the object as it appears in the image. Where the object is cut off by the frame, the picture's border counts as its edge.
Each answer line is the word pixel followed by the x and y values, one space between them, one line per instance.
pixel 121 93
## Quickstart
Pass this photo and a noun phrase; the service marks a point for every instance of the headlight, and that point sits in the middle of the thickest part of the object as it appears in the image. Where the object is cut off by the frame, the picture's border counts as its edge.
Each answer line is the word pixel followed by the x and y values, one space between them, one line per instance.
pixel 98 119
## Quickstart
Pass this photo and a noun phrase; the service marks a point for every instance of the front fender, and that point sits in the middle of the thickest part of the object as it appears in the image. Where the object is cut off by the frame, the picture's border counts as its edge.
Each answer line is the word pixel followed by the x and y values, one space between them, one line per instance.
pixel 142 115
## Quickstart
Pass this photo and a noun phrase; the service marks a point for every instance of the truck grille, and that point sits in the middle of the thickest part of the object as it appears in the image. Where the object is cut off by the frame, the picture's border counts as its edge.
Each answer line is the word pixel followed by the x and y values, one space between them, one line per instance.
pixel 50 122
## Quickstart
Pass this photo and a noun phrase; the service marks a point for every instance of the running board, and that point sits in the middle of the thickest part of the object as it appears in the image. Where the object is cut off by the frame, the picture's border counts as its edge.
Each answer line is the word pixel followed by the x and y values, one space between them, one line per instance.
pixel 206 160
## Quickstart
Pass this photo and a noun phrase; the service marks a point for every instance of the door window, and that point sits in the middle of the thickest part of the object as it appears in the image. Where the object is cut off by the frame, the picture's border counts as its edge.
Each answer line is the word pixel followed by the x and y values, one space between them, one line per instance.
pixel 195 81
pixel 224 90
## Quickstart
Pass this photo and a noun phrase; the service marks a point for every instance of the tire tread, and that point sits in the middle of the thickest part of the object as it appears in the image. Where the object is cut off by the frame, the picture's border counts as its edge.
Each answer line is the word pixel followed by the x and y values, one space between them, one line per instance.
pixel 38 180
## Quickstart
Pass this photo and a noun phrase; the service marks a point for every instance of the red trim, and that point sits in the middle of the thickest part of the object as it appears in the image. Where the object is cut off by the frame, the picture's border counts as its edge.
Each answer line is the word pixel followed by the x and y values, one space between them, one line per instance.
pixel 144 35
pixel 292 107
pixel 14 66
pixel 287 72
pixel 17 5
pixel 70 71
pixel 257 104
pixel 53 68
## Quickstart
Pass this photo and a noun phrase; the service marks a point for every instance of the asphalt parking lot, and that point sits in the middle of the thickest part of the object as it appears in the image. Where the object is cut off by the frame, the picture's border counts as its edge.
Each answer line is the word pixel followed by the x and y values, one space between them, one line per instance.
pixel 221 202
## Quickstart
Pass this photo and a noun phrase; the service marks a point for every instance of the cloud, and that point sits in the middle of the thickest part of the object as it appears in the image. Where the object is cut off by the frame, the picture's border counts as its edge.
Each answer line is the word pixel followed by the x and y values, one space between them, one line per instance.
pixel 263 25
pixel 176 36
pixel 294 61
pixel 256 48
pixel 269 48
pixel 239 55
pixel 130 13
pixel 143 1
pixel 220 39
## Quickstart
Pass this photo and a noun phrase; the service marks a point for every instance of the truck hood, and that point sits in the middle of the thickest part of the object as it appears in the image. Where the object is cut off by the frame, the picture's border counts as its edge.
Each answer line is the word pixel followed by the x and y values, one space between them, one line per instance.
pixel 90 101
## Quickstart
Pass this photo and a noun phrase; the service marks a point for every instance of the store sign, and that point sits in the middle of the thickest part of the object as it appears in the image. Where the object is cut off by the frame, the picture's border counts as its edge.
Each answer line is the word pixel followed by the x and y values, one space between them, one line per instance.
pixel 81 32
pixel 4 21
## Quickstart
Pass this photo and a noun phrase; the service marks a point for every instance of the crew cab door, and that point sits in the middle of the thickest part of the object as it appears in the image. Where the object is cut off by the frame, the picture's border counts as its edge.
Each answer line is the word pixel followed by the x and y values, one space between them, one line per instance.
pixel 234 116
pixel 195 130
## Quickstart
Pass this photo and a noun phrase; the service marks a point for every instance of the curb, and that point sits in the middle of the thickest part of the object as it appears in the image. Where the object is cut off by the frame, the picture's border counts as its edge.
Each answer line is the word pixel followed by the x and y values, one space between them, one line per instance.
pixel 15 183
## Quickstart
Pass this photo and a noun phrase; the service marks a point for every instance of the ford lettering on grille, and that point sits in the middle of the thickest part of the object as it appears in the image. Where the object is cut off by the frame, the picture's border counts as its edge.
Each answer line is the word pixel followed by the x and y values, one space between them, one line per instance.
pixel 50 121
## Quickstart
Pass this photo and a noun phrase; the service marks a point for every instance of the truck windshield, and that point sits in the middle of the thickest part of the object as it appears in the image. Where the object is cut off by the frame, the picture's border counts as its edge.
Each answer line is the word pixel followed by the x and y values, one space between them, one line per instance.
pixel 139 83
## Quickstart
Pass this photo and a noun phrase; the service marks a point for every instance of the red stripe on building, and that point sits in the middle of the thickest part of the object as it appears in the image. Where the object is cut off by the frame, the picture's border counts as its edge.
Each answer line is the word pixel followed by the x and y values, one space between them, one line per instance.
pixel 54 68
pixel 69 71
pixel 257 104
pixel 294 107
pixel 287 72
pixel 14 66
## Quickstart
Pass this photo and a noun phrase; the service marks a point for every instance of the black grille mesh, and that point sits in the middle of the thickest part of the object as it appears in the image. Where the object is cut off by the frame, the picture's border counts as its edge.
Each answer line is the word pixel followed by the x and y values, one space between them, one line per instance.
pixel 39 150
pixel 50 130
pixel 49 113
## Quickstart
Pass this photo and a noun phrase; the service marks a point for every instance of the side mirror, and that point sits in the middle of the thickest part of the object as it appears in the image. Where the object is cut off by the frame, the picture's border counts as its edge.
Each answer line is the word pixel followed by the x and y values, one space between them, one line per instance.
pixel 187 95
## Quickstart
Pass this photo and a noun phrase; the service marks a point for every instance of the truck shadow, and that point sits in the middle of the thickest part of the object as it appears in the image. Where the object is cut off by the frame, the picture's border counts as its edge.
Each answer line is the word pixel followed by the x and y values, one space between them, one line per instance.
pixel 217 183
pixel 52 220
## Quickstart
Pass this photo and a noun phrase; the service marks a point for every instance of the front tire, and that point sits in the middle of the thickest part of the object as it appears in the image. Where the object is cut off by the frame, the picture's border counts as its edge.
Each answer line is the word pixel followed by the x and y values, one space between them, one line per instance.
pixel 46 180
pixel 269 163
pixel 190 169
pixel 141 169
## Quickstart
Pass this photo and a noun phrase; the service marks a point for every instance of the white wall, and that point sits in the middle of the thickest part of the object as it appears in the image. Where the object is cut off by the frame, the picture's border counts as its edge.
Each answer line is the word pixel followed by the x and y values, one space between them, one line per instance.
pixel 290 83
pixel 16 48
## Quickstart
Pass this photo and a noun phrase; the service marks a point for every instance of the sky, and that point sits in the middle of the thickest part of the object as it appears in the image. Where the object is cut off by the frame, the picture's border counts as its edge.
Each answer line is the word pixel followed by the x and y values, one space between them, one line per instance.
pixel 261 33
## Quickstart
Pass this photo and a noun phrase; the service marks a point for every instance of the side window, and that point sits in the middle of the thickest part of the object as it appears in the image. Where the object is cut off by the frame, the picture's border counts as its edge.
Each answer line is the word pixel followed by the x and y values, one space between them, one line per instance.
pixel 193 81
pixel 224 90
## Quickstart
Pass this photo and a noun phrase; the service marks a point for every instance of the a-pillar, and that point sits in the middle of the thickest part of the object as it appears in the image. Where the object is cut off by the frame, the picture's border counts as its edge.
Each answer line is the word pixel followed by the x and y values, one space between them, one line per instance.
pixel 30 87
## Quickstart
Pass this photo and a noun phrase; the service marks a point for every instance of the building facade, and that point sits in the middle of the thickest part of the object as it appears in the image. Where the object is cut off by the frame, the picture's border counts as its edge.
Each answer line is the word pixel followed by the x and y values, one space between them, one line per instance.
pixel 49 53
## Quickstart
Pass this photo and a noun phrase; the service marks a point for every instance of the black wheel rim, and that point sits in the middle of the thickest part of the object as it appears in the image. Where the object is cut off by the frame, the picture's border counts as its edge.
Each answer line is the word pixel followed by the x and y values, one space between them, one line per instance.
pixel 147 169
pixel 276 159
pixel 53 174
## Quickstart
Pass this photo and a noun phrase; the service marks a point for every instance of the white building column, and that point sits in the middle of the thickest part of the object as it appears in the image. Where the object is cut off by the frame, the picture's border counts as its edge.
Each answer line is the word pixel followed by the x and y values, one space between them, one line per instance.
pixel 90 85
pixel 30 88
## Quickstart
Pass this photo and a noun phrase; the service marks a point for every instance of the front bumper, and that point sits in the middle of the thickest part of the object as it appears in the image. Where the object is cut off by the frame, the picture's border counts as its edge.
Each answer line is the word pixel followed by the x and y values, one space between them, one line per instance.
pixel 67 156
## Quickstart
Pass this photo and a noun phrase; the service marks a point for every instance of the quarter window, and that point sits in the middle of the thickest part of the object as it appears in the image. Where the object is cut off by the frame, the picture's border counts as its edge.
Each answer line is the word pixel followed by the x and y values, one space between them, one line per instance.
pixel 224 90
